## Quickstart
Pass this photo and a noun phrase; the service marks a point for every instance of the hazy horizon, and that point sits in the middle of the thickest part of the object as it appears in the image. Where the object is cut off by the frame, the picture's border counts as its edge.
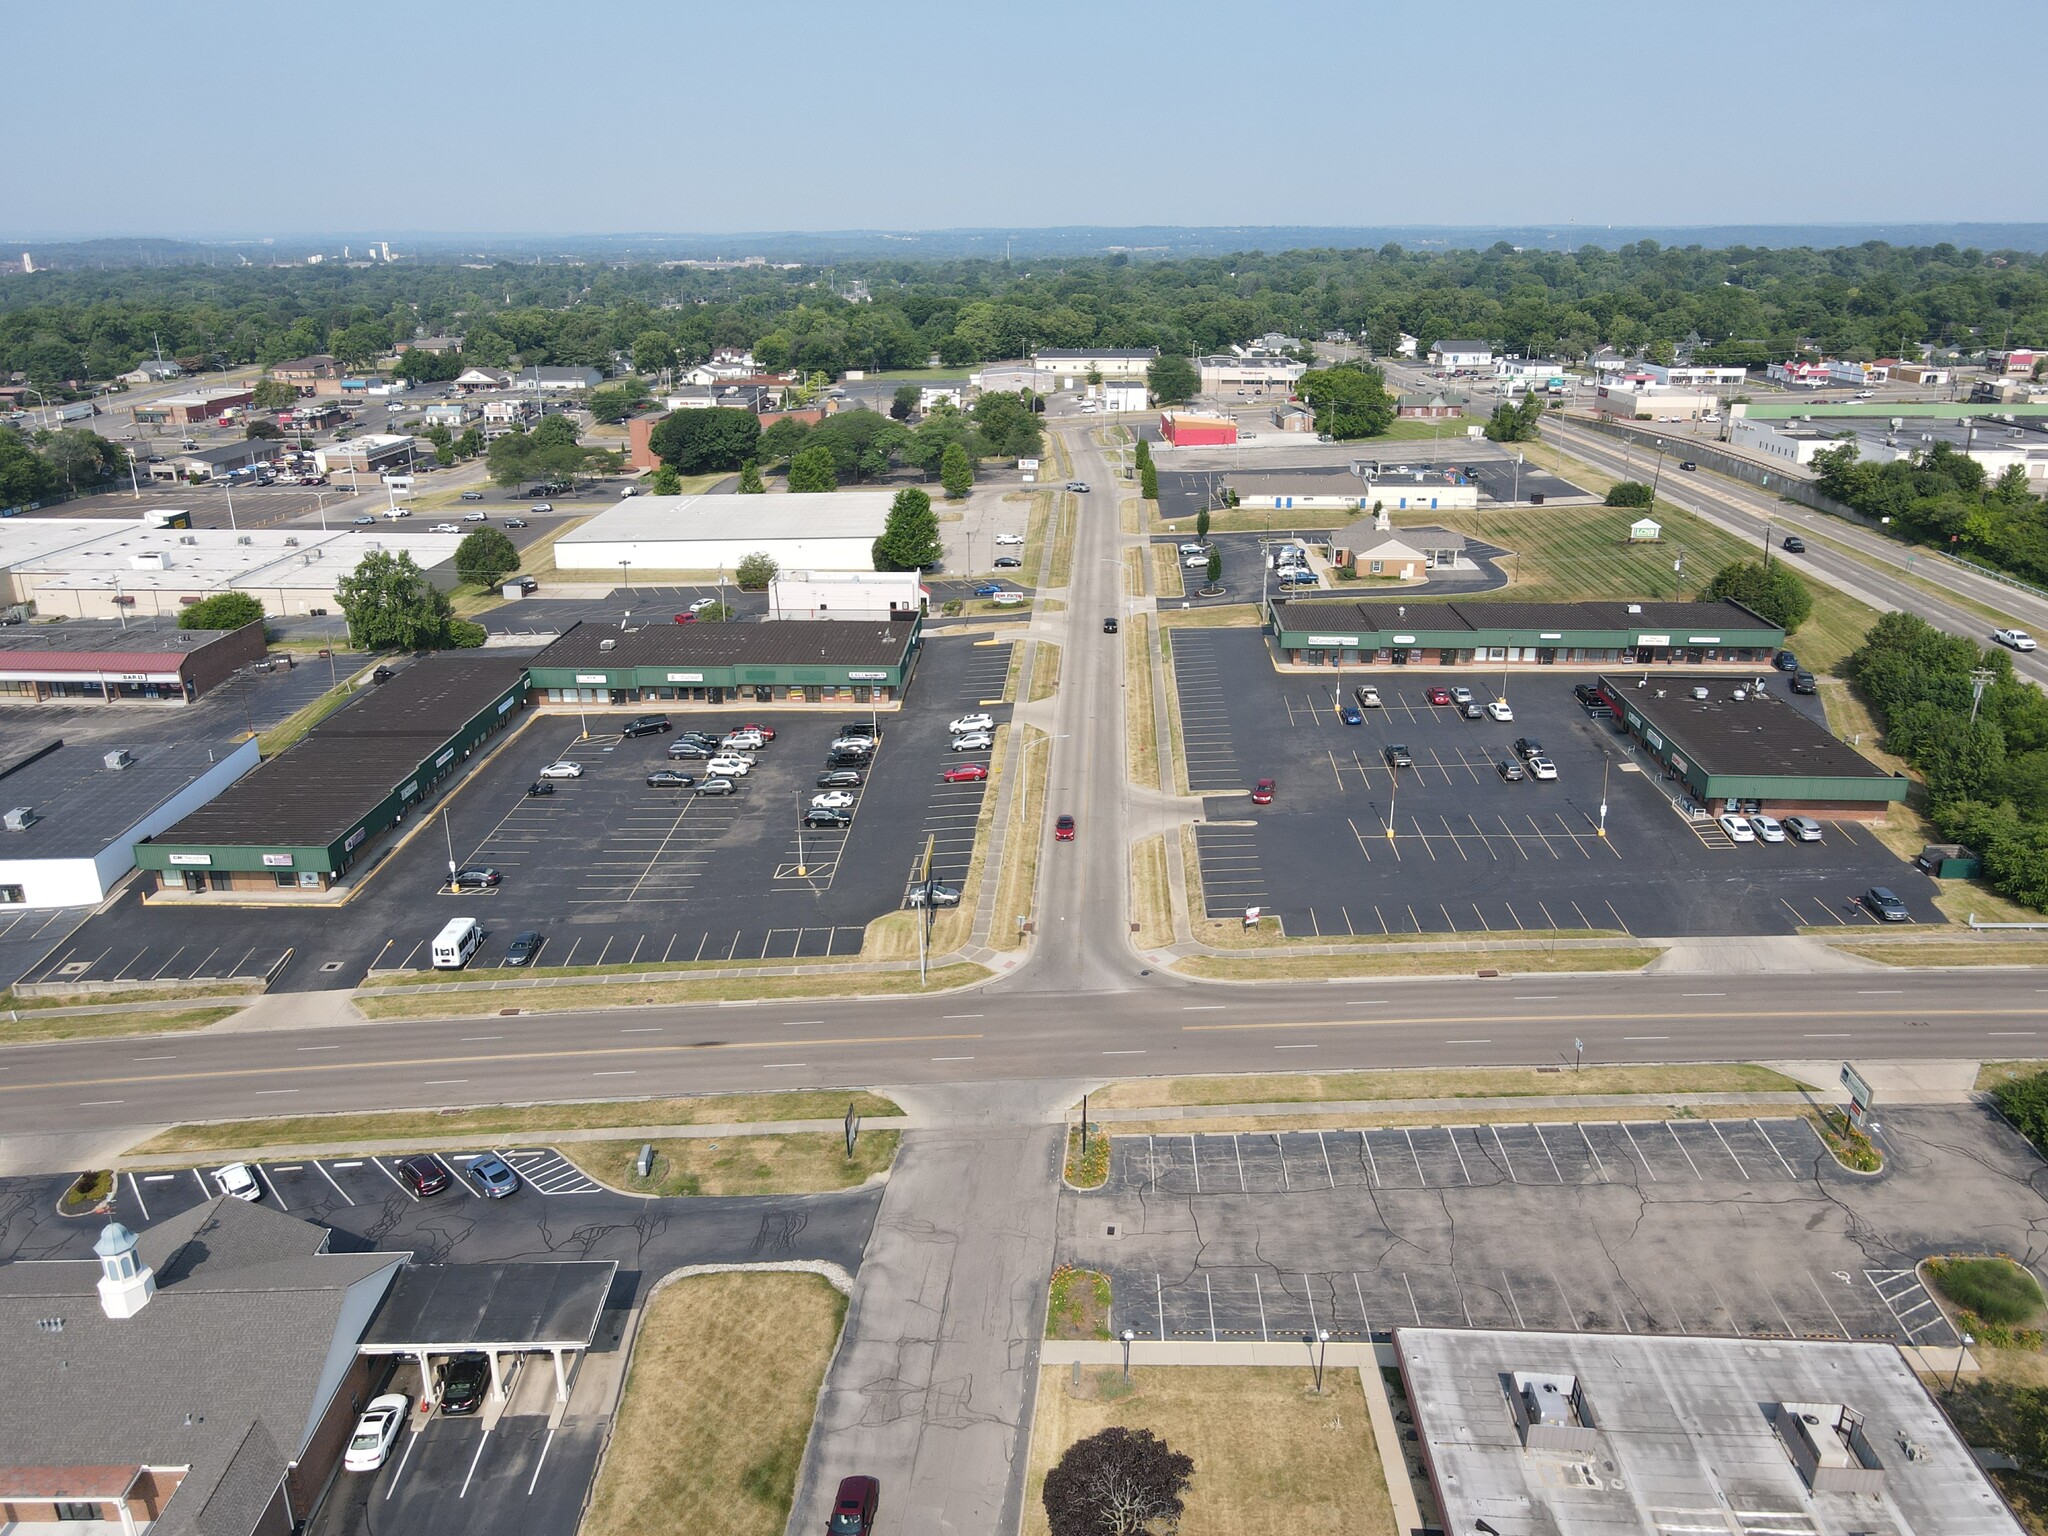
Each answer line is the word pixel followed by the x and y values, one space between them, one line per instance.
pixel 469 120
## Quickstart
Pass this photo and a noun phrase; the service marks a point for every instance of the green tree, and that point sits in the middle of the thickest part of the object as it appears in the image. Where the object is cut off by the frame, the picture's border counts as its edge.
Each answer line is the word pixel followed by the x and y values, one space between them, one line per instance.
pixel 1141 455
pixel 956 473
pixel 782 439
pixel 652 352
pixel 1515 423
pixel 615 402
pixel 470 444
pixel 485 558
pixel 1202 523
pixel 750 480
pixel 80 456
pixel 1777 594
pixel 664 482
pixel 910 538
pixel 904 401
pixel 755 571
pixel 718 440
pixel 273 395
pixel 813 470
pixel 223 610
pixel 390 605
pixel 262 430
pixel 465 636
pixel 417 365
pixel 1148 482
pixel 1628 493
pixel 355 345
pixel 1215 570
pixel 1350 400
pixel 717 613
pixel 1172 379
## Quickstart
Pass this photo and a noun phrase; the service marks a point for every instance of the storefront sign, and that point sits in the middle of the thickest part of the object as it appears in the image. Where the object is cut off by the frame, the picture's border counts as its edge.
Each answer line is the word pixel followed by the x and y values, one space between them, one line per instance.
pixel 1653 639
pixel 445 758
pixel 354 839
pixel 508 703
pixel 681 677
pixel 1404 639
pixel 192 860
pixel 1551 634
pixel 1346 640
pixel 1702 639
pixel 1655 740
pixel 410 790
pixel 277 861
pixel 599 678
pixel 868 677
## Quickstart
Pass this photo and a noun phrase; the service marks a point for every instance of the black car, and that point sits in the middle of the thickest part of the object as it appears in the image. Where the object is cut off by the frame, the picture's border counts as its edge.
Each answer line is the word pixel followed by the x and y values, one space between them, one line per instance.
pixel 540 787
pixel 842 778
pixel 523 948
pixel 478 877
pixel 463 1380
pixel 689 749
pixel 1793 544
pixel 648 725
pixel 1109 626
pixel 818 816
pixel 718 787
pixel 669 778
pixel 864 729
pixel 1527 747
pixel 1785 661
pixel 847 759
pixel 1804 682
pixel 1397 756
pixel 1885 906
pixel 1687 464
pixel 423 1175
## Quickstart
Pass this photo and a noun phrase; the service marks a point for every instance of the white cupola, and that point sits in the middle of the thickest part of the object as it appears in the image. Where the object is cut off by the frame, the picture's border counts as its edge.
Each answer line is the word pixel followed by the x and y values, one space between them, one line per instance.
pixel 126 1283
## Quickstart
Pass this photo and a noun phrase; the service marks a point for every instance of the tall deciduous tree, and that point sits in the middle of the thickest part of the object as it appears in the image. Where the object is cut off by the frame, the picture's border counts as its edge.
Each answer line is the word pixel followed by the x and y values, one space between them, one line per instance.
pixel 904 401
pixel 485 558
pixel 700 442
pixel 755 571
pixel 813 470
pixel 956 473
pixel 1172 379
pixel 273 395
pixel 223 610
pixel 1777 593
pixel 664 482
pixel 391 606
pixel 910 539
pixel 1350 400
pixel 1118 1482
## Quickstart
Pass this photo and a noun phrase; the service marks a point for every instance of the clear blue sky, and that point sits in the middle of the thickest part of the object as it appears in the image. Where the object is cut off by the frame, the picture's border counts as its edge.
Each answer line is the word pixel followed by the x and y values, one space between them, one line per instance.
pixel 515 116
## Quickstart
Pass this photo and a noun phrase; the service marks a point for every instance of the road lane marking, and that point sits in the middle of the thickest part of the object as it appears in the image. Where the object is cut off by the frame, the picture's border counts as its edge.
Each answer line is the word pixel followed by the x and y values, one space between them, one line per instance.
pixel 1123 1053
pixel 1203 1007
pixel 100 1103
pixel 318 1047
pixel 1626 1038
pixel 1468 1042
pixel 644 1029
pixel 443 1082
pixel 952 1016
pixel 952 1058
pixel 1297 1047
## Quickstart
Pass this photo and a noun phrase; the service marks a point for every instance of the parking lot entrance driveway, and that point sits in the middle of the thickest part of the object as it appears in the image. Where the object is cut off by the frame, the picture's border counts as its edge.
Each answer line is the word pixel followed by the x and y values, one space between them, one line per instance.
pixel 1353 845
pixel 1743 1227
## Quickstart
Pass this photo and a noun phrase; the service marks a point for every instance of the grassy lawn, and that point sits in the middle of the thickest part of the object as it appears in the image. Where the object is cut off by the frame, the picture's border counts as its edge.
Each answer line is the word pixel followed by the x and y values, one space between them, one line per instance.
pixel 1252 520
pixel 445 1003
pixel 1017 880
pixel 1066 509
pixel 1037 529
pixel 516 1120
pixel 688 1452
pixel 1011 674
pixel 2005 1408
pixel 1271 1458
pixel 802 1163
pixel 1851 1147
pixel 1434 1083
pixel 1078 1304
pixel 1045 671
pixel 1141 738
pixel 11 1003
pixel 1166 572
pixel 38 1027
pixel 1151 895
pixel 1134 572
pixel 1958 953
pixel 1423 963
pixel 1566 554
pixel 1220 616
pixel 1133 514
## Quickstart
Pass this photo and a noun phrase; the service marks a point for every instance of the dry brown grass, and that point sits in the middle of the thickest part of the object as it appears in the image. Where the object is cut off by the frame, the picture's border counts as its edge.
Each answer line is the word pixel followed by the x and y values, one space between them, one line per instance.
pixel 1167 577
pixel 688 1452
pixel 1141 735
pixel 802 1163
pixel 1367 962
pixel 1132 513
pixel 1905 953
pixel 443 1003
pixel 515 1120
pixel 1308 1118
pixel 1045 671
pixel 1433 1083
pixel 1221 616
pixel 83 998
pixel 1271 1458
pixel 39 1027
pixel 1067 511
pixel 1134 572
pixel 1017 880
pixel 2001 1408
pixel 1151 895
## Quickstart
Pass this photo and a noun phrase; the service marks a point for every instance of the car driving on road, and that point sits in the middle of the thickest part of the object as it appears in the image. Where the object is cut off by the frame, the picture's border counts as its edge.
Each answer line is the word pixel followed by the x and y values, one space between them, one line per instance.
pixel 2014 639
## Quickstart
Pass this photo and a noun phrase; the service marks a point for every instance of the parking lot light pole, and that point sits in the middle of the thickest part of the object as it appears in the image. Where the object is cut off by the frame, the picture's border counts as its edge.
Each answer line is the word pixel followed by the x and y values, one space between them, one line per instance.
pixel 1954 1381
pixel 449 833
pixel 1318 1350
pixel 1604 768
pixel 802 869
pixel 1125 1337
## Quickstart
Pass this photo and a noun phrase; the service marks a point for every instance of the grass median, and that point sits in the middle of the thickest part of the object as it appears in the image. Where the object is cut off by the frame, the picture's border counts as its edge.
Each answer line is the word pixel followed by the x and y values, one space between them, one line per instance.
pixel 1217 616
pixel 515 1120
pixel 1017 879
pixel 1436 1083
pixel 37 1028
pixel 1151 895
pixel 209 990
pixel 1167 580
pixel 693 1450
pixel 1045 671
pixel 1141 736
pixel 1368 962
pixel 801 1163
pixel 444 1003
pixel 1271 1457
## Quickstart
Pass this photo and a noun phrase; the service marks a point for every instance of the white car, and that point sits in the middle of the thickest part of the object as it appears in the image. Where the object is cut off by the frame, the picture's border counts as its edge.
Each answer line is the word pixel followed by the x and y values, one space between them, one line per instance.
pixel 444 528
pixel 832 800
pixel 1009 538
pixel 239 1180
pixel 1768 828
pixel 1542 768
pixel 395 513
pixel 1461 695
pixel 1196 562
pixel 476 517
pixel 971 723
pixel 1738 829
pixel 376 1432
pixel 702 603
pixel 2017 639
pixel 1195 549
pixel 742 741
pixel 974 741
pixel 725 765
pixel 562 771
pixel 1499 710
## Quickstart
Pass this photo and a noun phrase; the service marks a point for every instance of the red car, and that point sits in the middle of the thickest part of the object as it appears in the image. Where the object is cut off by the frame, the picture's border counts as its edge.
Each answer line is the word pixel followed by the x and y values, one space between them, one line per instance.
pixel 767 731
pixel 965 773
pixel 1439 695
pixel 1063 830
pixel 686 618
pixel 853 1512
pixel 1262 792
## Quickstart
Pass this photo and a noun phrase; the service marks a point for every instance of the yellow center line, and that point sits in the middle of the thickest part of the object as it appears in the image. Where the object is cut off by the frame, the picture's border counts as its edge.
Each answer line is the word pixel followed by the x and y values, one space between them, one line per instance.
pixel 779 1043
pixel 1633 1017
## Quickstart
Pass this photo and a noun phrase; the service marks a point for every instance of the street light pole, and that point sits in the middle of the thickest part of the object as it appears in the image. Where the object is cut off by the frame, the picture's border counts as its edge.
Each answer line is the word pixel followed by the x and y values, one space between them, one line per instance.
pixel 1126 1337
pixel 1954 1380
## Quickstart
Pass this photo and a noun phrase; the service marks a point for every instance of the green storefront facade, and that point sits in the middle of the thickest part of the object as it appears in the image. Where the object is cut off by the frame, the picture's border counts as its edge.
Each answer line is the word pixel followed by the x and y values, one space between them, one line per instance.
pixel 1337 632
pixel 792 661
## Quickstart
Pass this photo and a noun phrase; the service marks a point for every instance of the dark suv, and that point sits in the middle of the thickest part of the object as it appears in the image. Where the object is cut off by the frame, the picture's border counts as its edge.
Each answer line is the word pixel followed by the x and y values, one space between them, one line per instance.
pixel 1527 747
pixel 423 1175
pixel 647 725
pixel 463 1380
pixel 853 1511
pixel 1885 906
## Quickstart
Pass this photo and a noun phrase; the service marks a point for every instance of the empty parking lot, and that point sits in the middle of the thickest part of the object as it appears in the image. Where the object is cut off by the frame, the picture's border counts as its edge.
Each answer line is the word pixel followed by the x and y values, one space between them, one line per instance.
pixel 1736 1226
pixel 1354 845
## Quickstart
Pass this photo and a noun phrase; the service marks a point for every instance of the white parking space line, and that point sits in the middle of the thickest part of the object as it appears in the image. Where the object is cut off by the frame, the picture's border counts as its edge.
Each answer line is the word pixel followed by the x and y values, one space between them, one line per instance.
pixel 1237 1148
pixel 1731 1152
pixel 1506 1161
pixel 1328 1172
pixel 1372 1163
pixel 1210 1291
pixel 1841 1326
pixel 1286 1184
pixel 1774 1149
pixel 330 1179
pixel 1695 1167
pixel 1509 1286
pixel 412 1439
pixel 1548 1153
pixel 455 1173
pixel 1260 1291
pixel 1364 1317
pixel 196 1179
pixel 1639 1151
pixel 482 1441
pixel 135 1189
pixel 260 1173
pixel 1588 1140
pixel 1308 1290
pixel 1196 1161
pixel 1418 1170
pixel 394 1178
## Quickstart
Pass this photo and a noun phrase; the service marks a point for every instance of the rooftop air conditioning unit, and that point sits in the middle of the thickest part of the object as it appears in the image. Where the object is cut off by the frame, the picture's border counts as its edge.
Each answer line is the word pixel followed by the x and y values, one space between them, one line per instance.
pixel 118 759
pixel 245 539
pixel 18 819
pixel 188 539
pixel 606 645
pixel 1635 607
pixel 291 541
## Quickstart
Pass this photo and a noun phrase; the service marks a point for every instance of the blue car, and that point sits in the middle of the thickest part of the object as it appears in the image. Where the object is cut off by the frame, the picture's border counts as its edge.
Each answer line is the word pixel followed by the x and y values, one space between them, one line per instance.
pixel 988 589
pixel 1352 716
pixel 493 1176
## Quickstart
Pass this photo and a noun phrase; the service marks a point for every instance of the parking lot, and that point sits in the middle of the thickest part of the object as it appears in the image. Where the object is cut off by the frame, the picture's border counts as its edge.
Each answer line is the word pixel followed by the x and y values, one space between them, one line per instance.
pixel 1352 845
pixel 1743 1226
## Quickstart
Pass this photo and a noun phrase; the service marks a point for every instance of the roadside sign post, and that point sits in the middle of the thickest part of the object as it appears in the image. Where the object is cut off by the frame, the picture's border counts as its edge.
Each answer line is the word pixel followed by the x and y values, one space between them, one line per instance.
pixel 852 1129
pixel 1578 1054
pixel 1861 1095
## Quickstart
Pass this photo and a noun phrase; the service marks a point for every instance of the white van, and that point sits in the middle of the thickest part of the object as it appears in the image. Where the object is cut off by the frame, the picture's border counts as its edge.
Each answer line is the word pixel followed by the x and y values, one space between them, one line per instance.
pixel 454 944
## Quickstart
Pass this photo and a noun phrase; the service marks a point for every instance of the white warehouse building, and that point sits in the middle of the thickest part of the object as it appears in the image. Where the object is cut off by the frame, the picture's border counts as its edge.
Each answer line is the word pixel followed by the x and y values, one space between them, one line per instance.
pixel 808 531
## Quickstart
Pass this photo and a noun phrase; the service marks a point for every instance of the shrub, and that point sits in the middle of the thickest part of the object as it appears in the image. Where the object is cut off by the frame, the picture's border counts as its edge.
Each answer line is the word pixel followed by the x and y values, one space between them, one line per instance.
pixel 755 571
pixel 1629 493
pixel 1997 1290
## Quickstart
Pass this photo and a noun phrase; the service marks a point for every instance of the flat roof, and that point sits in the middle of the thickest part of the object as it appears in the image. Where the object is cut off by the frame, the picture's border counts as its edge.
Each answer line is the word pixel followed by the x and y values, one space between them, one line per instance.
pixel 727 518
pixel 314 791
pixel 82 806
pixel 1761 735
pixel 158 639
pixel 1681 621
pixel 474 1306
pixel 95 554
pixel 768 643
pixel 1686 1438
